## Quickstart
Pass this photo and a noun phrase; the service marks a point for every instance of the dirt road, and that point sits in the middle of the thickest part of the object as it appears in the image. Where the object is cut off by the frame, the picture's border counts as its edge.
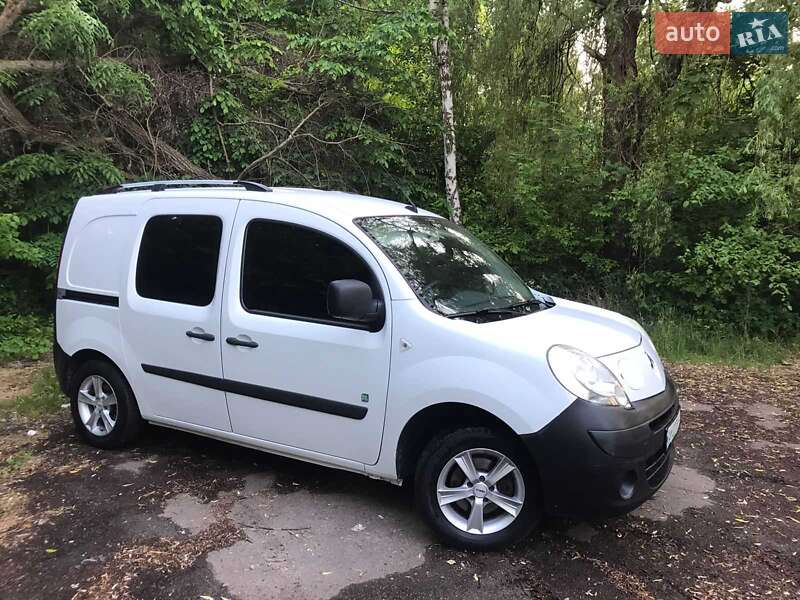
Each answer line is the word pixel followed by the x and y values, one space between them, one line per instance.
pixel 184 517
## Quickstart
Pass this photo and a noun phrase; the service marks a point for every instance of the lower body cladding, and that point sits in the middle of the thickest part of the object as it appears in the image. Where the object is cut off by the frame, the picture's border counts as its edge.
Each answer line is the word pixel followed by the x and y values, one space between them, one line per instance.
pixel 601 460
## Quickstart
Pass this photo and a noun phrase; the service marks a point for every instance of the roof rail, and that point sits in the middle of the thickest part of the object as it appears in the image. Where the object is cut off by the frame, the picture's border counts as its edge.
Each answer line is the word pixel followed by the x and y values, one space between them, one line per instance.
pixel 159 186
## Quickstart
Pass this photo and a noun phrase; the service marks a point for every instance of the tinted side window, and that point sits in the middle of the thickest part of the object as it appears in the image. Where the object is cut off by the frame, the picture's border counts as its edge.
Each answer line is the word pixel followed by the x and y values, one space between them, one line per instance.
pixel 178 259
pixel 287 269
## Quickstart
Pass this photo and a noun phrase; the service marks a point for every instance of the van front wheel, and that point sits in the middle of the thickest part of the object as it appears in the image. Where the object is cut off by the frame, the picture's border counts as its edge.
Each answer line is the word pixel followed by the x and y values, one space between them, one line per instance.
pixel 103 406
pixel 477 490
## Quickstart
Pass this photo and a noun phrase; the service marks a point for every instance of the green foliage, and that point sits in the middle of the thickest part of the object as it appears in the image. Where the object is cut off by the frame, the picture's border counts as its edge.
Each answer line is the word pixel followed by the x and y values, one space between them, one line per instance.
pixel 682 339
pixel 747 276
pixel 544 212
pixel 222 35
pixel 45 397
pixel 24 337
pixel 119 83
pixel 7 81
pixel 37 194
pixel 64 29
pixel 707 224
pixel 36 95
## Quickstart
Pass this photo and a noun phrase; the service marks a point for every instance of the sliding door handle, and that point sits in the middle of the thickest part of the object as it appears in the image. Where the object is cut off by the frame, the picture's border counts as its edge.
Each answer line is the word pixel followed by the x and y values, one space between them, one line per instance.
pixel 200 335
pixel 235 341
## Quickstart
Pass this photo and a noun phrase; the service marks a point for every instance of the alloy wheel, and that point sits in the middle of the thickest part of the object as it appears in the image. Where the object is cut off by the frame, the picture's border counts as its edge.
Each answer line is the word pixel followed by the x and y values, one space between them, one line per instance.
pixel 97 405
pixel 480 491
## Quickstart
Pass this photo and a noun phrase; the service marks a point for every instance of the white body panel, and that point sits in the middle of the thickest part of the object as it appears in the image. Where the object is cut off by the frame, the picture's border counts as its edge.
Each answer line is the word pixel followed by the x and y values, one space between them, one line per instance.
pixel 94 260
pixel 315 359
pixel 418 359
pixel 154 331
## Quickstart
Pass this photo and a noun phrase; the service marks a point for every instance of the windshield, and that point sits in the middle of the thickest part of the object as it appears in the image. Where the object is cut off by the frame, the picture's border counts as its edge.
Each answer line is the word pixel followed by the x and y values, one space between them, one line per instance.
pixel 448 268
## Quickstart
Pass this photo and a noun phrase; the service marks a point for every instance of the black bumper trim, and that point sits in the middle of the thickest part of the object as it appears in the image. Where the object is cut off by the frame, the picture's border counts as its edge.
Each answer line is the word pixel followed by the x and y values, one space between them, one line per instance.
pixel 634 441
pixel 61 365
pixel 589 454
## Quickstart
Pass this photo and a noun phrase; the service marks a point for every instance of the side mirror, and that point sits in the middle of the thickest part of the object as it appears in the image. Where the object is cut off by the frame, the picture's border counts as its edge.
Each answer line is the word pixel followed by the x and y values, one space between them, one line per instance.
pixel 352 300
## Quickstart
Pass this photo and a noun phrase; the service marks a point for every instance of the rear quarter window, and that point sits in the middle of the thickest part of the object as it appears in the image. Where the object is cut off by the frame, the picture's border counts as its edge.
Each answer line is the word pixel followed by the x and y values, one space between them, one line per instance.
pixel 178 259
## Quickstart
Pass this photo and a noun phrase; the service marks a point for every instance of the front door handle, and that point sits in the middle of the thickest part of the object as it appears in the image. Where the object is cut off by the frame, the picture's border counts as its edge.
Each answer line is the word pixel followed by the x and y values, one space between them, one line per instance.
pixel 235 341
pixel 200 335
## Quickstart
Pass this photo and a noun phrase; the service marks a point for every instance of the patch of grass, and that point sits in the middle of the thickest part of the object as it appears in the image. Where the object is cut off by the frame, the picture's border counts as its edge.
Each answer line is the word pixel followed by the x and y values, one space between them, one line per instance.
pixel 44 398
pixel 684 340
pixel 15 462
pixel 25 337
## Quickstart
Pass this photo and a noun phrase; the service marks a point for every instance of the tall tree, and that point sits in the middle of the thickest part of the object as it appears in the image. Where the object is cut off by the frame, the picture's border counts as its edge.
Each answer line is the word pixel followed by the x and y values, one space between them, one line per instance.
pixel 628 99
pixel 441 51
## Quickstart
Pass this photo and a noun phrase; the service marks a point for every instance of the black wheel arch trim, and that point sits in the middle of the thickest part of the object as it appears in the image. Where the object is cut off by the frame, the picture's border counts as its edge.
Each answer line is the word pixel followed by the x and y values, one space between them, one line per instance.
pixel 61 365
pixel 65 365
pixel 260 392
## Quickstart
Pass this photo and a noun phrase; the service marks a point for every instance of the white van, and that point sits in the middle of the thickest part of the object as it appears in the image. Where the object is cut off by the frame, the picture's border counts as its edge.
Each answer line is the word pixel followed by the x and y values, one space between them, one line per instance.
pixel 361 334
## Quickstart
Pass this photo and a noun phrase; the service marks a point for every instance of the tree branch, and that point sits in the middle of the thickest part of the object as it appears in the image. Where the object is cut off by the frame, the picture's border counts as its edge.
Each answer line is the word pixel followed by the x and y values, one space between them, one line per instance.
pixel 377 11
pixel 48 66
pixel 29 132
pixel 173 158
pixel 288 139
pixel 351 138
pixel 11 12
pixel 595 54
pixel 24 66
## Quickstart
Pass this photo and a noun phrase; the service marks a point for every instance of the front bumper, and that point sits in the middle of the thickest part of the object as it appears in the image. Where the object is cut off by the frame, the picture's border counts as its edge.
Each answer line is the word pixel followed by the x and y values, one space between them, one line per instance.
pixel 600 460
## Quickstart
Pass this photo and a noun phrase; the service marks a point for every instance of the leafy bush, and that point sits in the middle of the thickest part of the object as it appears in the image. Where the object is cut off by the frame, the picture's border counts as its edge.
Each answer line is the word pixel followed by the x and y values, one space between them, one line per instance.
pixel 747 277
pixel 37 194
pixel 65 29
pixel 25 337
pixel 120 83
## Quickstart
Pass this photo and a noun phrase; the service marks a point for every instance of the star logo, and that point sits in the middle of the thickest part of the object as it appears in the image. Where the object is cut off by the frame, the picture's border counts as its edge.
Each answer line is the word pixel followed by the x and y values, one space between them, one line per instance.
pixel 759 33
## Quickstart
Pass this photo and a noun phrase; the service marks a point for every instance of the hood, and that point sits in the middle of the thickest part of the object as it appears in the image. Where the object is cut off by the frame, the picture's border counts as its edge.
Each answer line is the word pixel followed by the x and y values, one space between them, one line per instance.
pixel 597 331
pixel 617 341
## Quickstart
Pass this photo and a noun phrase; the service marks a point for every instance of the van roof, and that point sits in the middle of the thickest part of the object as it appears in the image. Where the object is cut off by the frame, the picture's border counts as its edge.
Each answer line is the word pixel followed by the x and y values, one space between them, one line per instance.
pixel 327 203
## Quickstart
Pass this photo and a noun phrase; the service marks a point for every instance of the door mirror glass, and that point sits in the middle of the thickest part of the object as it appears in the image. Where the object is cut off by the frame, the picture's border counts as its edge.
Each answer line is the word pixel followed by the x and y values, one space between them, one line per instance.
pixel 352 300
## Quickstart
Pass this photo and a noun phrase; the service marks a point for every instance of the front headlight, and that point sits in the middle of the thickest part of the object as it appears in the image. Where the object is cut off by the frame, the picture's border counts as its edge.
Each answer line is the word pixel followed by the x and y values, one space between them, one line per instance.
pixel 586 377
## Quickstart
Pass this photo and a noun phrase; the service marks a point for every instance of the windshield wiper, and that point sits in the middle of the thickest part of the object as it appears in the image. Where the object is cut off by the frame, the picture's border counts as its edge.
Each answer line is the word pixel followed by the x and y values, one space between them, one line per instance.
pixel 526 303
pixel 502 310
pixel 512 309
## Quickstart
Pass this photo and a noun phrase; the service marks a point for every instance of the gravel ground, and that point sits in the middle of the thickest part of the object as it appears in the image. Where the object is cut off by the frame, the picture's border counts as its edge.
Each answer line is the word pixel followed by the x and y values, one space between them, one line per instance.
pixel 184 517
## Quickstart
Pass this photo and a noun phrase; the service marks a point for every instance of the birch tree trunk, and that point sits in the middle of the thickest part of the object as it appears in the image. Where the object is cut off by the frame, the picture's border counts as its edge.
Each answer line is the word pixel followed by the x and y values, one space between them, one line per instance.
pixel 441 52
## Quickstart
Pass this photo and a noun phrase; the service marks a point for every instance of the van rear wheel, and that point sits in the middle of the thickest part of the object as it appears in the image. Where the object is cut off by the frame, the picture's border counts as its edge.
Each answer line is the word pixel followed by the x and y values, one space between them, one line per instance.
pixel 103 406
pixel 477 490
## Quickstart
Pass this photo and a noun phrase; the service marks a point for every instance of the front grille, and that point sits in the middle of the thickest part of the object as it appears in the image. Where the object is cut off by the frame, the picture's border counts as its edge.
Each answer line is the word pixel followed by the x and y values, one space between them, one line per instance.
pixel 655 468
pixel 666 417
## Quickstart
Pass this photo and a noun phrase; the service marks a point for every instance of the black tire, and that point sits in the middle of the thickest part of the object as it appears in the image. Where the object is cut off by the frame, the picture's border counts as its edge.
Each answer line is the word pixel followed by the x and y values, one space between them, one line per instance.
pixel 436 455
pixel 128 423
